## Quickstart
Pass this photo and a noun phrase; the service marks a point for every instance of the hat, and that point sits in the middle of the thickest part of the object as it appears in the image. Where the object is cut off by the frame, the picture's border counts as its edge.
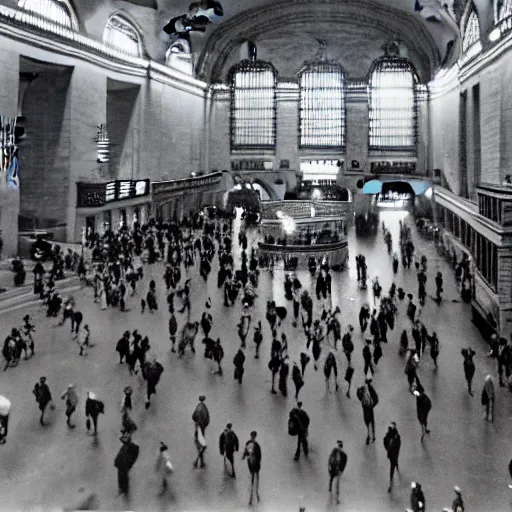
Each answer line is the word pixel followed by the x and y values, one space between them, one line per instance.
pixel 229 425
pixel 71 386
pixel 26 317
pixel 299 404
pixel 163 446
pixel 457 489
pixel 42 379
pixel 340 443
pixel 92 396
pixel 202 398
pixel 254 433
pixel 409 295
pixel 208 303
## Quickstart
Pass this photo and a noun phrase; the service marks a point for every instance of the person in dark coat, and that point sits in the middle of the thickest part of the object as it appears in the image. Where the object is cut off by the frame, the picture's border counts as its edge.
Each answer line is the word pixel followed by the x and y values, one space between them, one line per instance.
pixel 218 356
pixel 337 464
pixel 93 408
pixel 258 338
pixel 434 348
pixel 239 361
pixel 252 453
pixel 423 406
pixel 458 503
pixel 331 367
pixel 201 415
pixel 173 329
pixel 297 379
pixel 206 323
pixel 124 461
pixel 151 373
pixel 369 399
pixel 273 365
pixel 304 360
pixel 301 418
pixel 367 357
pixel 469 366
pixel 364 316
pixel 123 346
pixel 392 444
pixel 284 370
pixel 228 445
pixel 43 396
pixel 348 344
pixel 417 498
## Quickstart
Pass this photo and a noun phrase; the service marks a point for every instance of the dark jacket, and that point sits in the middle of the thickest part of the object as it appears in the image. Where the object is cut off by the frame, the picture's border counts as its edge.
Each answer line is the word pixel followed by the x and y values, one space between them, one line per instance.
pixel 228 442
pixel 423 406
pixel 392 443
pixel 337 461
pixel 127 456
pixel 201 415
pixel 302 419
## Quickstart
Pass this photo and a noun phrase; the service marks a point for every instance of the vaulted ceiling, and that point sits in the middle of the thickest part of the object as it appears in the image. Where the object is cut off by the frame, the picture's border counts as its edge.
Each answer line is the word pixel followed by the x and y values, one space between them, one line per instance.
pixel 286 31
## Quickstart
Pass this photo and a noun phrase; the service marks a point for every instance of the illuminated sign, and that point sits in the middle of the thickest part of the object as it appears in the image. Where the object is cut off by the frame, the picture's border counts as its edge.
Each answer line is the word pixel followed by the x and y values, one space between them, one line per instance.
pixel 110 192
pixel 98 194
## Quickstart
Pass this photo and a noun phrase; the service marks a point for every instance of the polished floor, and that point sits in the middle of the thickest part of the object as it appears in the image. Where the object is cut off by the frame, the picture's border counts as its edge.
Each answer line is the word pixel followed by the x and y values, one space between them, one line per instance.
pixel 57 467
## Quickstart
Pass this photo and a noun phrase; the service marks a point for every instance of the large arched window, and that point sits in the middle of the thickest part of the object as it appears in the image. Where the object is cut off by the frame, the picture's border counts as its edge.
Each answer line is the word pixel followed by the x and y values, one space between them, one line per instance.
pixel 121 35
pixel 503 15
pixel 471 39
pixel 59 12
pixel 322 106
pixel 392 105
pixel 253 105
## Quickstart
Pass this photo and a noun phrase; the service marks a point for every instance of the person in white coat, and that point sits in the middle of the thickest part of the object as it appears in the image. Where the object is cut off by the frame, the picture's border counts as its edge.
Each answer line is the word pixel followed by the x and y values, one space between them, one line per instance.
pixel 164 467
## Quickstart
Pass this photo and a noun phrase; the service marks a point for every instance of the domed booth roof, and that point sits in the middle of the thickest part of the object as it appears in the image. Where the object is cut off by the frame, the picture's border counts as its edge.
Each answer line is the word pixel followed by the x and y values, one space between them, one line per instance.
pixel 323 192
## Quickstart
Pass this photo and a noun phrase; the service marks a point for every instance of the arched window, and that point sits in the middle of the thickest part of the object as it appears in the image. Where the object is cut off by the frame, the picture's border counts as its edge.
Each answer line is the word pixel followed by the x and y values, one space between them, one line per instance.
pixel 121 35
pixel 471 38
pixel 57 11
pixel 322 106
pixel 253 104
pixel 392 105
pixel 502 10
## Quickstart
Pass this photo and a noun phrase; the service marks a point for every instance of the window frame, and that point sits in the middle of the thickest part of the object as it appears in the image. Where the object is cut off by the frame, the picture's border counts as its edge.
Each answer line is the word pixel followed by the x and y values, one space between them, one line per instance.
pixel 248 66
pixel 64 5
pixel 392 62
pixel 121 18
pixel 327 68
pixel 471 46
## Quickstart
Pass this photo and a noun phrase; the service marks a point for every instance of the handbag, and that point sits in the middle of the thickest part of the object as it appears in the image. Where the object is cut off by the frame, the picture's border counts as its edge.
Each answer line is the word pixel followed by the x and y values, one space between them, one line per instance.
pixel 349 373
pixel 485 397
pixel 88 423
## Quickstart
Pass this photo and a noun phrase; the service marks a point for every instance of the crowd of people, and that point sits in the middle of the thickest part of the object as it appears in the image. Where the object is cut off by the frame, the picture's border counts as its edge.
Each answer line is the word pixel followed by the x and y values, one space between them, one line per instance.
pixel 116 270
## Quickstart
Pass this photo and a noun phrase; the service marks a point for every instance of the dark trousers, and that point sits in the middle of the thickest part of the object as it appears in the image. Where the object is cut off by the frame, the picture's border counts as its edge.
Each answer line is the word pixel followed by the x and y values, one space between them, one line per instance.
pixel 296 306
pixel 123 481
pixel 368 365
pixel 302 440
pixel 393 464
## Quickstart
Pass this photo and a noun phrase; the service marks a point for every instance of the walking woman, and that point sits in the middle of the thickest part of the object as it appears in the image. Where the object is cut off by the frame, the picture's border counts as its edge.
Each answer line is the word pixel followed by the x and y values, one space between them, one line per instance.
pixel 252 453
pixel 469 366
pixel 71 402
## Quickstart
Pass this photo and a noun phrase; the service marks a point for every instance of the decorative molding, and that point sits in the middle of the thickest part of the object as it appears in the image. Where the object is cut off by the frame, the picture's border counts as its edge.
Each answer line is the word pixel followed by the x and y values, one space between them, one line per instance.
pixel 34 31
pixel 252 22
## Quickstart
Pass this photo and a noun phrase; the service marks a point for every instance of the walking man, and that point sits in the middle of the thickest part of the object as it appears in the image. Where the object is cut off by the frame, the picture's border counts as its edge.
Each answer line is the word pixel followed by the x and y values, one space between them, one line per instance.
pixel 367 356
pixel 43 396
pixel 252 453
pixel 392 444
pixel 299 422
pixel 124 461
pixel 369 399
pixel 337 464
pixel 71 402
pixel 423 406
pixel 228 445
